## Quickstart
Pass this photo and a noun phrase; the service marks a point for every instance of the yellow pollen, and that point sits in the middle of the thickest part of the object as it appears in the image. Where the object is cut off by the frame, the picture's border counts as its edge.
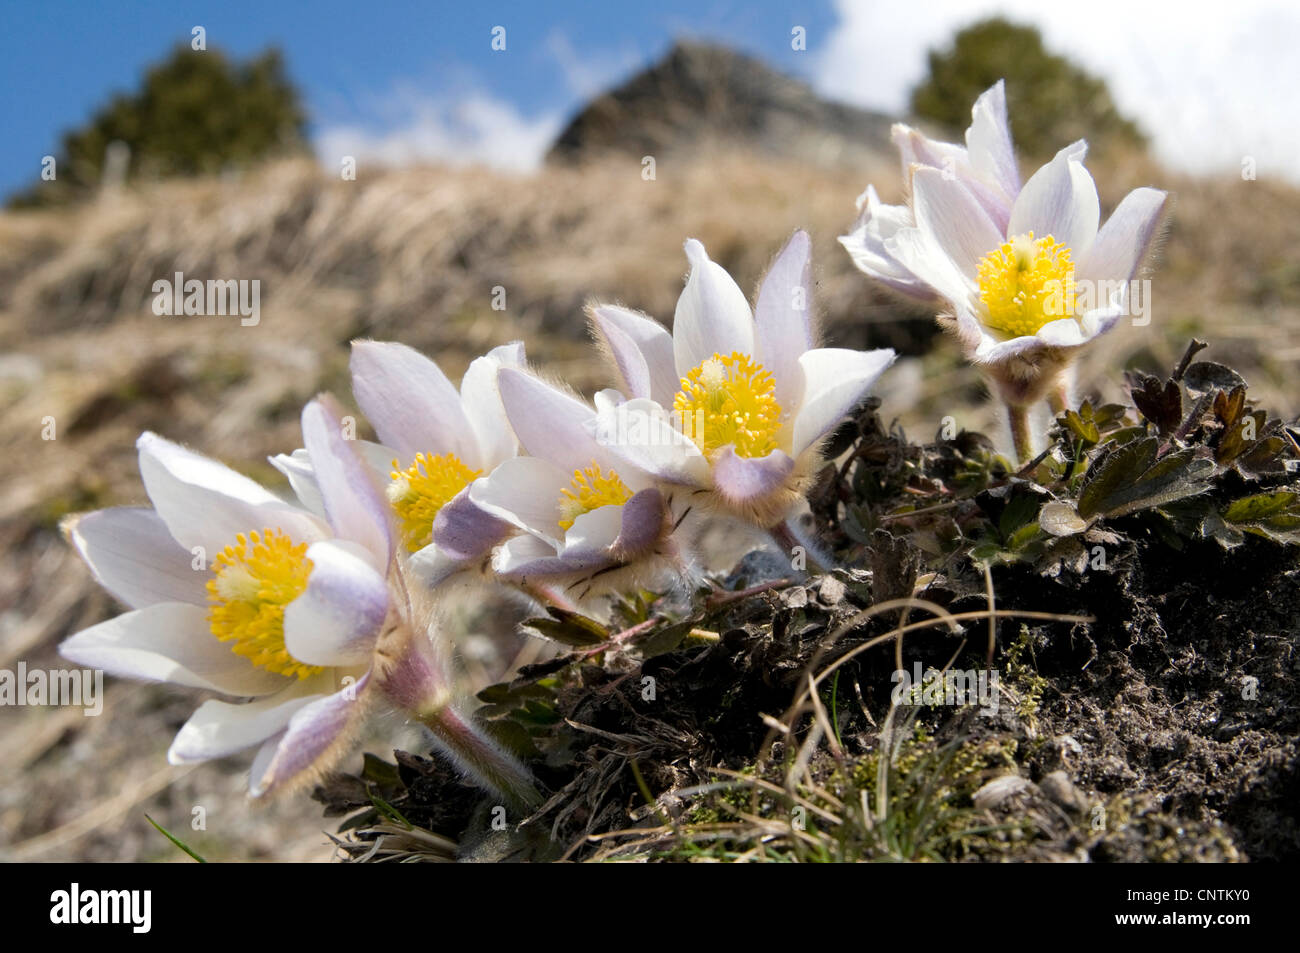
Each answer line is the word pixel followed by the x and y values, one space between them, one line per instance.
pixel 421 490
pixel 730 400
pixel 1026 283
pixel 590 490
pixel 253 580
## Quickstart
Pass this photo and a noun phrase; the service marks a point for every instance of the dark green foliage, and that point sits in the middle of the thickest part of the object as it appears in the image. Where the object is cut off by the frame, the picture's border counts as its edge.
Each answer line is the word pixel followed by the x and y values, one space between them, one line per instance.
pixel 1051 101
pixel 196 113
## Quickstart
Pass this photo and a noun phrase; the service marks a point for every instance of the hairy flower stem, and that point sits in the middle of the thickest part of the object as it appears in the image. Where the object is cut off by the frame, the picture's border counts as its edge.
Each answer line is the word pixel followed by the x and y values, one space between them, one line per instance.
pixel 486 762
pixel 546 596
pixel 1059 398
pixel 1021 435
pixel 799 551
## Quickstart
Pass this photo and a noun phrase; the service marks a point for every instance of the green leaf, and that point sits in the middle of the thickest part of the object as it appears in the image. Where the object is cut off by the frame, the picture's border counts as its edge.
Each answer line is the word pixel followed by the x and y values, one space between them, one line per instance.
pixel 167 834
pixel 1127 478
pixel 1274 516
pixel 569 628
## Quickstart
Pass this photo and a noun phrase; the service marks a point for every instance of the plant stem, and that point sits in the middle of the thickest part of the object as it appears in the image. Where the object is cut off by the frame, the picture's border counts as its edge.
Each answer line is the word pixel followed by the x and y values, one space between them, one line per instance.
pixel 1021 435
pixel 546 595
pixel 789 543
pixel 481 758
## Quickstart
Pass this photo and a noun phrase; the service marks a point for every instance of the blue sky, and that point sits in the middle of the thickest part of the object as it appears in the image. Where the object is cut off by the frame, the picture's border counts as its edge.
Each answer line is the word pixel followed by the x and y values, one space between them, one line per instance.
pixel 418 81
pixel 364 67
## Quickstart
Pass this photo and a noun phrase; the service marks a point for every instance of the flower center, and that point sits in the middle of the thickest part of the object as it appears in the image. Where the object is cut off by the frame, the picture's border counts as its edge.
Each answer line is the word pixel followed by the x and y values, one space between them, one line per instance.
pixel 730 400
pixel 253 580
pixel 590 490
pixel 421 490
pixel 1026 283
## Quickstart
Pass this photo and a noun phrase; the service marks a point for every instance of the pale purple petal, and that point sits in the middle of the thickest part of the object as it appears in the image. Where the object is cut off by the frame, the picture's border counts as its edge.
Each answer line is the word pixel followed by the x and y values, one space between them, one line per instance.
pixel 1060 200
pixel 838 379
pixel 337 619
pixel 783 318
pixel 409 401
pixel 133 556
pixel 218 728
pixel 743 480
pixel 865 244
pixel 463 530
pixel 953 220
pixel 550 423
pixel 1123 241
pixel 168 642
pixel 482 405
pixel 650 439
pixel 925 259
pixel 712 314
pixel 206 504
pixel 645 521
pixel 526 556
pixel 642 351
pixel 314 734
pixel 356 507
pixel 988 141
pixel 593 533
pixel 524 492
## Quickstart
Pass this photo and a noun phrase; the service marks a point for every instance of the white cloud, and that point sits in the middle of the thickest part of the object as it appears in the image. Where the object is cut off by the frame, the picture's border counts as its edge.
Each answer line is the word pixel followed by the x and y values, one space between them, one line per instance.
pixel 474 128
pixel 1209 82
pixel 588 73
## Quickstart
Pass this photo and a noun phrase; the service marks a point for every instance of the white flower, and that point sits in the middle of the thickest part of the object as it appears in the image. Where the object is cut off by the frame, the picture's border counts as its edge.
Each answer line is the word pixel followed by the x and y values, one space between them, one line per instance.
pixel 235 591
pixel 733 402
pixel 1026 271
pixel 435 441
pixel 582 511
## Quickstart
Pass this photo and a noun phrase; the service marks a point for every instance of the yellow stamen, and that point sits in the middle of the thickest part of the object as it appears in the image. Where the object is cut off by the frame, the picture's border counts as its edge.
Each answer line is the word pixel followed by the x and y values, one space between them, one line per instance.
pixel 1026 283
pixel 253 580
pixel 590 490
pixel 730 400
pixel 421 490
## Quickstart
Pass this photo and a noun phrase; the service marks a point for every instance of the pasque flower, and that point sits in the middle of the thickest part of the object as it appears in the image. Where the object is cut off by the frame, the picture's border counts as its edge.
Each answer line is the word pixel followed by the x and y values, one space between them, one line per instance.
pixel 434 442
pixel 581 510
pixel 1029 273
pixel 236 591
pixel 732 405
pixel 233 590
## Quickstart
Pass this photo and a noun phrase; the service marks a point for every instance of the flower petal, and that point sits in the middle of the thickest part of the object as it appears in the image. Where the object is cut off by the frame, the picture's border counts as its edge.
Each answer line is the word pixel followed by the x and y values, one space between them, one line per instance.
pixel 783 317
pixel 409 401
pixel 356 507
pixel 168 642
pixel 645 521
pixel 865 244
pixel 647 437
pixel 642 351
pixel 525 556
pixel 550 423
pixel 593 533
pixel 1123 241
pixel 988 141
pixel 131 554
pixel 712 314
pixel 218 728
pixel 1060 200
pixel 922 256
pixel 524 492
pixel 205 503
pixel 837 380
pixel 741 480
pixel 462 530
pixel 482 405
pixel 952 218
pixel 337 619
pixel 315 737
